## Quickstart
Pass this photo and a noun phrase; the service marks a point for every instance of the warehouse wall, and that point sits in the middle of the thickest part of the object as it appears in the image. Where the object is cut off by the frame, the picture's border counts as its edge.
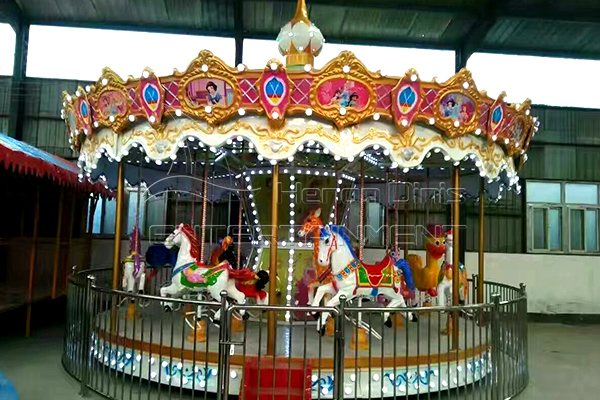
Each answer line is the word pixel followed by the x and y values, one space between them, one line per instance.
pixel 556 284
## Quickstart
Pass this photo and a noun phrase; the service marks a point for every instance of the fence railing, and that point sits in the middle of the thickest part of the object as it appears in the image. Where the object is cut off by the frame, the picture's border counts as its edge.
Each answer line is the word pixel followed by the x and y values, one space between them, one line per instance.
pixel 126 346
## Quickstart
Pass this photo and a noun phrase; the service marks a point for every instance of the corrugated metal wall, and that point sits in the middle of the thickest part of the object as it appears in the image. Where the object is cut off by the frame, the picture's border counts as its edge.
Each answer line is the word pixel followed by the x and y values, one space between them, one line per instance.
pixel 4 102
pixel 42 127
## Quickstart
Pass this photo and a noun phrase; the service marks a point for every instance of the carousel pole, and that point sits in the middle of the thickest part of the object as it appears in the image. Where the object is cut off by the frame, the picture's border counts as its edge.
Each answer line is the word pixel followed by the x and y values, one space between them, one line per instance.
pixel 396 214
pixel 360 338
pixel 118 224
pixel 36 219
pixel 385 212
pixel 453 325
pixel 362 210
pixel 239 234
pixel 272 317
pixel 335 199
pixel 57 242
pixel 480 283
pixel 204 204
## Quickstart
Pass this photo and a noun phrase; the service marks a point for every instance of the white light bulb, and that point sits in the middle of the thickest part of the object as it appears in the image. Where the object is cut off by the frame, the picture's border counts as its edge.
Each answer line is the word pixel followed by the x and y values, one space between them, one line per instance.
pixel 431 121
pixel 241 112
pixel 241 67
pixel 308 112
pixel 208 109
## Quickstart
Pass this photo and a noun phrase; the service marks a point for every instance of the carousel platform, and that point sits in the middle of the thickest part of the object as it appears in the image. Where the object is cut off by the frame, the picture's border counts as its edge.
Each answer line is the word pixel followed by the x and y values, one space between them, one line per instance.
pixel 409 359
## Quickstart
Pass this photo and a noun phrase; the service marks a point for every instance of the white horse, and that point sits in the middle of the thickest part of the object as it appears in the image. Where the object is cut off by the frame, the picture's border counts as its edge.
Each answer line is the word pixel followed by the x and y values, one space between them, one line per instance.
pixel 335 248
pixel 189 275
pixel 444 288
pixel 134 279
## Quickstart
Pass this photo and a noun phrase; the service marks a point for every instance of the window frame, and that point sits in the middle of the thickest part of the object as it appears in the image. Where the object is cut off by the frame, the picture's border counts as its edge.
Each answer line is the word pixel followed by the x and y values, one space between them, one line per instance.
pixel 565 224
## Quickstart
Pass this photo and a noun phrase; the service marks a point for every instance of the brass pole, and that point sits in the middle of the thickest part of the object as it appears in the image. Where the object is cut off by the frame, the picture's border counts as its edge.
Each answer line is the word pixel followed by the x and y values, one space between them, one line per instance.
pixel 36 219
pixel 239 235
pixel 118 224
pixel 396 219
pixel 204 205
pixel 481 241
pixel 272 317
pixel 386 207
pixel 56 260
pixel 455 251
pixel 405 230
pixel 361 204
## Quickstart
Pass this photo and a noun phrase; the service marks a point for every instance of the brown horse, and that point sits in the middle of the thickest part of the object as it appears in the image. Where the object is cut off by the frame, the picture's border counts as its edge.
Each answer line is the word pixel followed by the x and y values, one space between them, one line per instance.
pixel 312 226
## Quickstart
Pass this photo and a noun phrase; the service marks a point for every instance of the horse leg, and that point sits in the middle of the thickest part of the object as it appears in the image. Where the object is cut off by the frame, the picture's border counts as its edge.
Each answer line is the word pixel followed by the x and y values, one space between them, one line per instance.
pixel 141 281
pixel 334 301
pixel 238 296
pixel 172 290
pixel 322 290
pixel 128 280
pixel 396 300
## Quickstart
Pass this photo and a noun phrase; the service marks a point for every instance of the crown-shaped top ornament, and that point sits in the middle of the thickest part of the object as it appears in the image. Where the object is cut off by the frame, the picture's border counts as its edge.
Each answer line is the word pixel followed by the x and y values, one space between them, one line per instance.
pixel 300 41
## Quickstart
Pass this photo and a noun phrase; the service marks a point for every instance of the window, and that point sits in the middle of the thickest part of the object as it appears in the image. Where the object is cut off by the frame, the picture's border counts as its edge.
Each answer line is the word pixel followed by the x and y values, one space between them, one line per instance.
pixel 563 217
pixel 7 49
pixel 152 212
pixel 427 62
pixel 123 51
pixel 528 77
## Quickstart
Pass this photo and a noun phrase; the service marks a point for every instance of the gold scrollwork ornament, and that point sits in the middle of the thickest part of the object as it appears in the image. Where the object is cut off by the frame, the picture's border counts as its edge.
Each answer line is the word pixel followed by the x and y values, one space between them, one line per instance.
pixel 208 66
pixel 461 83
pixel 345 67
pixel 110 81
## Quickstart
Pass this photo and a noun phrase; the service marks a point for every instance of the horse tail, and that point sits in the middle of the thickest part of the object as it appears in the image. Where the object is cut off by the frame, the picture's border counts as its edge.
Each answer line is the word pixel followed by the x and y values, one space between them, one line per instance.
pixel 263 279
pixel 241 275
pixel 152 274
pixel 404 266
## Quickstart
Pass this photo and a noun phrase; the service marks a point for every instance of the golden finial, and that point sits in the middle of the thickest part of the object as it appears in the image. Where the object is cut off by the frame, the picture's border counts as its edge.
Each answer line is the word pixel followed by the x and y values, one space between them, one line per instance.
pixel 301 13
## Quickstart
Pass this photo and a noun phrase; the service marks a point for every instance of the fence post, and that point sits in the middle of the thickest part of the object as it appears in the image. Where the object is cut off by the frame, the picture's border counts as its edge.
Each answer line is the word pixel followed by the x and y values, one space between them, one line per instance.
pixel 86 332
pixel 496 354
pixel 340 344
pixel 524 332
pixel 475 292
pixel 223 348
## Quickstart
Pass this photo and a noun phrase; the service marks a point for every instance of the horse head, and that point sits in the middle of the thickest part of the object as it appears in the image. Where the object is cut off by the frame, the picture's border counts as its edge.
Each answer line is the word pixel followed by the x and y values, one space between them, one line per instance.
pixel 174 239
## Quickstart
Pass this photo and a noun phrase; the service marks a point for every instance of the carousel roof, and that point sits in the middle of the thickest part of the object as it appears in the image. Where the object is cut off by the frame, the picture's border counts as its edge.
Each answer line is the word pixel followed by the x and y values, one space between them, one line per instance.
pixel 25 159
pixel 344 108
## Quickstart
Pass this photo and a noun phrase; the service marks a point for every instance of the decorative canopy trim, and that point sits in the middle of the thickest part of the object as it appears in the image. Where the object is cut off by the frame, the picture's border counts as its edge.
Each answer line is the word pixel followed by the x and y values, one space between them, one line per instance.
pixel 25 159
pixel 344 93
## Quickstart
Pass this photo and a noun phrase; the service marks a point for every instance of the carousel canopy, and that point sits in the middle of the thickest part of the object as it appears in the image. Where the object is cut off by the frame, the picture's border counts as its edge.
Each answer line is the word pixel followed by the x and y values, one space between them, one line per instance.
pixel 280 111
pixel 25 159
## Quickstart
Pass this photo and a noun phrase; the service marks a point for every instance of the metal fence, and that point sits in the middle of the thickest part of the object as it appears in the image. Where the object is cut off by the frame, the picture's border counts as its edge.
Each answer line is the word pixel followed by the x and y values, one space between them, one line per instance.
pixel 125 346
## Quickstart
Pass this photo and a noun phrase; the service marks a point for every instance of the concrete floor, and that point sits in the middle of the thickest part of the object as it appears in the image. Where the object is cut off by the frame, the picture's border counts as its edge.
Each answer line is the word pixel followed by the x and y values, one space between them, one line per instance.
pixel 564 363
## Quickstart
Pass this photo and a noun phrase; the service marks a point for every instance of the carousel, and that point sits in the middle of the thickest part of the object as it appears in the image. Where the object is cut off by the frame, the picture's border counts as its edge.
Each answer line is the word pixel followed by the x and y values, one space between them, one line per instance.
pixel 341 273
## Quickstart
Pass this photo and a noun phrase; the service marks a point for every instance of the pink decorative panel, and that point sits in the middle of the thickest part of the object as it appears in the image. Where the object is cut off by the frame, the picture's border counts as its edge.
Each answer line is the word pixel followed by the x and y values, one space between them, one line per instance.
pixel 249 92
pixel 301 92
